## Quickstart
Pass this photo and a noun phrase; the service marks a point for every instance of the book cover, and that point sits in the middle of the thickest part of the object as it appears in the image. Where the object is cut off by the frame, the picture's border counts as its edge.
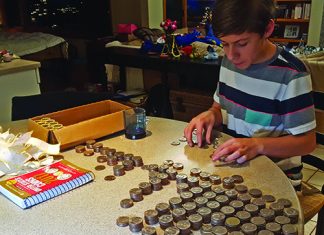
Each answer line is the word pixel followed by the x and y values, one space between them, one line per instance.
pixel 44 183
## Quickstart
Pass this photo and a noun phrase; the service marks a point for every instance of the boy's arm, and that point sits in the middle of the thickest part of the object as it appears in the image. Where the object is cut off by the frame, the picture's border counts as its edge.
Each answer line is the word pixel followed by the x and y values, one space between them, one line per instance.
pixel 243 149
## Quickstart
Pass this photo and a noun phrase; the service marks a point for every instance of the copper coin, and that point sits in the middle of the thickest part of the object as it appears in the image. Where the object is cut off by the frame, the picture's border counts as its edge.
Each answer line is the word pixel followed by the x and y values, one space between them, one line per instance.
pixel 126 203
pixel 90 143
pixel 269 198
pixel 100 168
pixel 101 159
pixel 110 177
pixel 88 153
pixel 57 157
pixel 178 166
pixel 104 150
pixel 122 221
pixel 237 179
pixel 254 192
pixel 80 149
pixel 241 188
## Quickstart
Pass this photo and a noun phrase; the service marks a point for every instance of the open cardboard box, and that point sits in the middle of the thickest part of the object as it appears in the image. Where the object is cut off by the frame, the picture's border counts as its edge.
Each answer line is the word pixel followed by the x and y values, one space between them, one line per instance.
pixel 81 123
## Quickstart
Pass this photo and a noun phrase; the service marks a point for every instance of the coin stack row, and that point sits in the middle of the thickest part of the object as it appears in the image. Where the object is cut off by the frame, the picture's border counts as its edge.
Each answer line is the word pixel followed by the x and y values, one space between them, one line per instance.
pixel 216 205
pixel 49 123
pixel 120 161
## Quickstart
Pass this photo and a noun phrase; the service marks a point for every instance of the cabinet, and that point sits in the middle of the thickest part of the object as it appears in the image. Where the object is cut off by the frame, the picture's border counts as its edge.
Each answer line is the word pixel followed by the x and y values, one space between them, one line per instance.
pixel 292 21
pixel 17 78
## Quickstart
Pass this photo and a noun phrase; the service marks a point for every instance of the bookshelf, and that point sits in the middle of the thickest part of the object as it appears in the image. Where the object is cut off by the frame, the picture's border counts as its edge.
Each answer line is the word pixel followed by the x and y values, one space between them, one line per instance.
pixel 292 21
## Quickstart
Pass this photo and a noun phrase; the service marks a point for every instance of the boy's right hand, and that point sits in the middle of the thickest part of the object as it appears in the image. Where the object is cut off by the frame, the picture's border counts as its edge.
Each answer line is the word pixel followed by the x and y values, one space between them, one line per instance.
pixel 203 122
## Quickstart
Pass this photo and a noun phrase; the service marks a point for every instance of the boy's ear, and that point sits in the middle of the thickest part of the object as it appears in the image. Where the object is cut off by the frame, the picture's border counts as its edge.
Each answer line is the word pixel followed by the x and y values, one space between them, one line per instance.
pixel 269 29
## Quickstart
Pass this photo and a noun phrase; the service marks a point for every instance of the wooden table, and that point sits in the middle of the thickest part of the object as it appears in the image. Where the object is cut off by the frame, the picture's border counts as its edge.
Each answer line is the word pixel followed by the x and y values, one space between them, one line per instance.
pixel 93 208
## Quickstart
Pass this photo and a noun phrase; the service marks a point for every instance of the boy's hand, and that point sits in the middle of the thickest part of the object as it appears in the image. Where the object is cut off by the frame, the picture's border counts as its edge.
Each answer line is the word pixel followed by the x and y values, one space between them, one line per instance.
pixel 238 149
pixel 203 122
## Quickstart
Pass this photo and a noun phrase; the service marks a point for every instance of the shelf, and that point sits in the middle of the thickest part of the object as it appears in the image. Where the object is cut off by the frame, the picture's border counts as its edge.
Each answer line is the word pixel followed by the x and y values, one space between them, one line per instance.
pixel 285 40
pixel 289 20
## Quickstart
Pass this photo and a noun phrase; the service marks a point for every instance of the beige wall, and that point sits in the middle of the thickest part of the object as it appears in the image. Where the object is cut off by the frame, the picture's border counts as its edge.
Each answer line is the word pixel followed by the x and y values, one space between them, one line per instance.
pixel 155 8
pixel 316 23
pixel 145 13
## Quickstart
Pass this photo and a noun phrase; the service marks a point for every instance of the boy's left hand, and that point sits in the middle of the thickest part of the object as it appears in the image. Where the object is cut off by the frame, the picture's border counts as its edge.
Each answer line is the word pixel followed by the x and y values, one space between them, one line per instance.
pixel 238 149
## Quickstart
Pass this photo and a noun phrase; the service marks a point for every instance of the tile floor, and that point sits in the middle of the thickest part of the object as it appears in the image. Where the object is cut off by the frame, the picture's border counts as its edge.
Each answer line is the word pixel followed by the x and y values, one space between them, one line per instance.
pixel 314 177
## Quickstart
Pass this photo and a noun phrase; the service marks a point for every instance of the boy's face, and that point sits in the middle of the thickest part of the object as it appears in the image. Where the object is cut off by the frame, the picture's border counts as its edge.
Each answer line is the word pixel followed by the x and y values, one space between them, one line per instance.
pixel 244 49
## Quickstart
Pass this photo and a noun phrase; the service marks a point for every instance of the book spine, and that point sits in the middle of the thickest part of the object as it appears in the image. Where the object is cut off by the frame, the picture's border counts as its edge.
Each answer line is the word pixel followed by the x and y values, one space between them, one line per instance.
pixel 58 190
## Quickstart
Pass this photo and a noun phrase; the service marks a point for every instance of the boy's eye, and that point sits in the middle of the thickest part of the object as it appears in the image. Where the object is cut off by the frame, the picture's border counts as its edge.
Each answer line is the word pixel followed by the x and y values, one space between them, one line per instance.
pixel 242 44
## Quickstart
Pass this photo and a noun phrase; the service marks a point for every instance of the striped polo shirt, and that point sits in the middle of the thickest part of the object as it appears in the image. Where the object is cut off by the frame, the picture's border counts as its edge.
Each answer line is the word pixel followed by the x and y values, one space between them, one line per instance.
pixel 269 99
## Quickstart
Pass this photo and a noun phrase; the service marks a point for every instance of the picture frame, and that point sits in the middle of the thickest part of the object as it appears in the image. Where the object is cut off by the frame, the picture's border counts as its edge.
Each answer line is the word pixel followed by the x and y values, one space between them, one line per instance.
pixel 291 31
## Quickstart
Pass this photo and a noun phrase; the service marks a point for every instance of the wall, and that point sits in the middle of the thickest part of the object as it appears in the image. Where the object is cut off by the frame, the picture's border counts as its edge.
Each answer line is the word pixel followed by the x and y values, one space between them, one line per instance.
pixel 155 8
pixel 145 13
pixel 316 23
pixel 321 43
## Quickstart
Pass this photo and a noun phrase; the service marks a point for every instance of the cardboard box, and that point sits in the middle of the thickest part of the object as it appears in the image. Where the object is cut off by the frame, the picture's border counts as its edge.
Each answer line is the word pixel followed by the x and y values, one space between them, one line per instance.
pixel 81 123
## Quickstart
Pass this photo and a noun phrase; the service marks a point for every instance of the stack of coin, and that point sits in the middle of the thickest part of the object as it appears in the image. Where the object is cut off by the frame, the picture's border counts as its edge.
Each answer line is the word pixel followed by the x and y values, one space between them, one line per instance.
pixel 148 231
pixel 153 167
pixel 184 226
pixel 168 162
pixel 128 165
pixel 151 217
pixel 138 161
pixel 172 173
pixel 228 183
pixel 97 147
pixel 102 159
pixel 163 168
pixel 217 218
pixel 292 214
pixel 196 221
pixel 193 181
pixel 162 208
pixel 135 224
pixel 145 187
pixel 80 149
pixel 215 179
pixel 128 156
pixel 120 156
pixel 164 178
pixel 182 187
pixel 111 152
pixel 112 160
pixel 181 178
pixel 90 143
pixel 196 191
pixel 178 214
pixel 156 184
pixel 206 213
pixel 104 151
pixel 195 172
pixel 49 123
pixel 122 221
pixel 178 166
pixel 175 202
pixel 119 170
pixel 126 203
pixel 186 196
pixel 136 194
pixel 165 221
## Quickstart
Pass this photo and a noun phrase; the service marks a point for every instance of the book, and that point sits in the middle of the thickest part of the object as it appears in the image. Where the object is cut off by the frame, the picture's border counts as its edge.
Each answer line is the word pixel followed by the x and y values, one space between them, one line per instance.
pixel 42 184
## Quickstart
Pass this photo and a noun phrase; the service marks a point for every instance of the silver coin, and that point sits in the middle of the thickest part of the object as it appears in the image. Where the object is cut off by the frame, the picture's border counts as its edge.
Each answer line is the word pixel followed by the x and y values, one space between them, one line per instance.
pixel 175 143
pixel 182 139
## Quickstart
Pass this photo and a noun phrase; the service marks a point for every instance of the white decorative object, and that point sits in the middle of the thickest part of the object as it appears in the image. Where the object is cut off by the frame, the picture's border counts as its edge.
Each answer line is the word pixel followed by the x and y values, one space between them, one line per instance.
pixel 291 31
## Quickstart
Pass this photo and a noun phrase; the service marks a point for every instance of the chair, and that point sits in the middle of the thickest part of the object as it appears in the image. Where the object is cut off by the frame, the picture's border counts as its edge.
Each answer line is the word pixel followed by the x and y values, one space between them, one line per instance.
pixel 24 107
pixel 313 203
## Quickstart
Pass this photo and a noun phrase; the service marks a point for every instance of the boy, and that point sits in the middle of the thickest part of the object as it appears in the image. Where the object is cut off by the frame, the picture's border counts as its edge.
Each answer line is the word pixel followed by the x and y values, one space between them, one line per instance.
pixel 263 92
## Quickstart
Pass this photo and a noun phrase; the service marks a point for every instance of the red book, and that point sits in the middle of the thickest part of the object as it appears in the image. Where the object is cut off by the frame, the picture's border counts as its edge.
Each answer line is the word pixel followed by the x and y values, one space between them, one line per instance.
pixel 44 183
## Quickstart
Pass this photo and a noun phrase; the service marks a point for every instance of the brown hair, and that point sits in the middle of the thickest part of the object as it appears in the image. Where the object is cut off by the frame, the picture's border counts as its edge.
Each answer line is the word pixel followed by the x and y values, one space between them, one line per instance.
pixel 239 16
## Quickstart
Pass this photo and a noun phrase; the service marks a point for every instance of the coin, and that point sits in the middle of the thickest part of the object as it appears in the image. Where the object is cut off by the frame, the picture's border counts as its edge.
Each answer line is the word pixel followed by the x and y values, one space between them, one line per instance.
pixel 285 202
pixel 80 149
pixel 148 231
pixel 110 177
pixel 254 192
pixel 237 179
pixel 269 198
pixel 135 224
pixel 100 168
pixel 178 166
pixel 241 188
pixel 101 159
pixel 175 143
pixel 182 139
pixel 122 221
pixel 168 162
pixel 126 203
pixel 88 153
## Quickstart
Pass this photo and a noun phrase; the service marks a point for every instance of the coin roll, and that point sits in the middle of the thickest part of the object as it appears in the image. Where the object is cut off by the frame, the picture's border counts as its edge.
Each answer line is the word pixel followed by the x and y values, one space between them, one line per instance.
pixel 88 153
pixel 289 229
pixel 172 173
pixel 120 155
pixel 259 221
pixel 168 162
pixel 182 187
pixel 215 179
pixel 111 152
pixel 164 178
pixel 153 167
pixel 249 228
pixel 193 181
pixel 136 194
pixel 186 196
pixel 90 143
pixel 210 195
pixel 237 205
pixel 204 176
pixel 184 226
pixel 80 149
pixel 195 171
pixel 219 230
pixel 277 207
pixel 112 161
pixel 274 227
pixel 196 191
pixel 268 214
pixel 138 161
pixel 135 224
pixel 201 201
pixel 218 190
pixel 217 218
pixel 238 179
pixel 178 214
pixel 146 188
pixel 165 221
pixel 163 168
pixel 231 194
pixel 148 231
pixel 227 210
pixel 175 202
pixel 223 200
pixel 281 219
pixel 128 156
pixel 151 217
pixel 205 185
pixel 259 202
pixel 181 178
pixel 162 208
pixel 173 230
pixel 118 170
pixel 265 232
pixel 285 202
pixel 243 216
pixel 156 184
pixel 213 205
pixel 292 214
pixel 104 150
pixel 190 208
pixel 206 213
pixel 128 165
pixel 206 229
pixel 228 183
pixel 96 147
pixel 253 209
pixel 232 223
pixel 196 221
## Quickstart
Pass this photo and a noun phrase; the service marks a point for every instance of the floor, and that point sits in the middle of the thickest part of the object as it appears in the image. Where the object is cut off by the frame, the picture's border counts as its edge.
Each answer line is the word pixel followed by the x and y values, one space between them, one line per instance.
pixel 314 177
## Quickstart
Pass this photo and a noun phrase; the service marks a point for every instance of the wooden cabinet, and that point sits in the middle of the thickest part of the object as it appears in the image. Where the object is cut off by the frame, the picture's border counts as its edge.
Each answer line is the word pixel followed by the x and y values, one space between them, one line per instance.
pixel 292 21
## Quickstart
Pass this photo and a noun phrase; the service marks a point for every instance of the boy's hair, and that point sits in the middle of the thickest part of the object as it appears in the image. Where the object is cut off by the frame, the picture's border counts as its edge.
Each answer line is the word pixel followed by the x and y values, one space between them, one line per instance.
pixel 239 16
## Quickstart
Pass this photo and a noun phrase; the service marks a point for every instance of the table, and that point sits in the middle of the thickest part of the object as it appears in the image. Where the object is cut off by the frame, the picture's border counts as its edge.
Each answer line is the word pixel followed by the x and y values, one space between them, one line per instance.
pixel 93 208
pixel 17 78
pixel 133 57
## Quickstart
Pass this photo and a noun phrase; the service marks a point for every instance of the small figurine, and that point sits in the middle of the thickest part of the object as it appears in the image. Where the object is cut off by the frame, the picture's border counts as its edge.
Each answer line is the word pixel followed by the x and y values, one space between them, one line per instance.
pixel 212 54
